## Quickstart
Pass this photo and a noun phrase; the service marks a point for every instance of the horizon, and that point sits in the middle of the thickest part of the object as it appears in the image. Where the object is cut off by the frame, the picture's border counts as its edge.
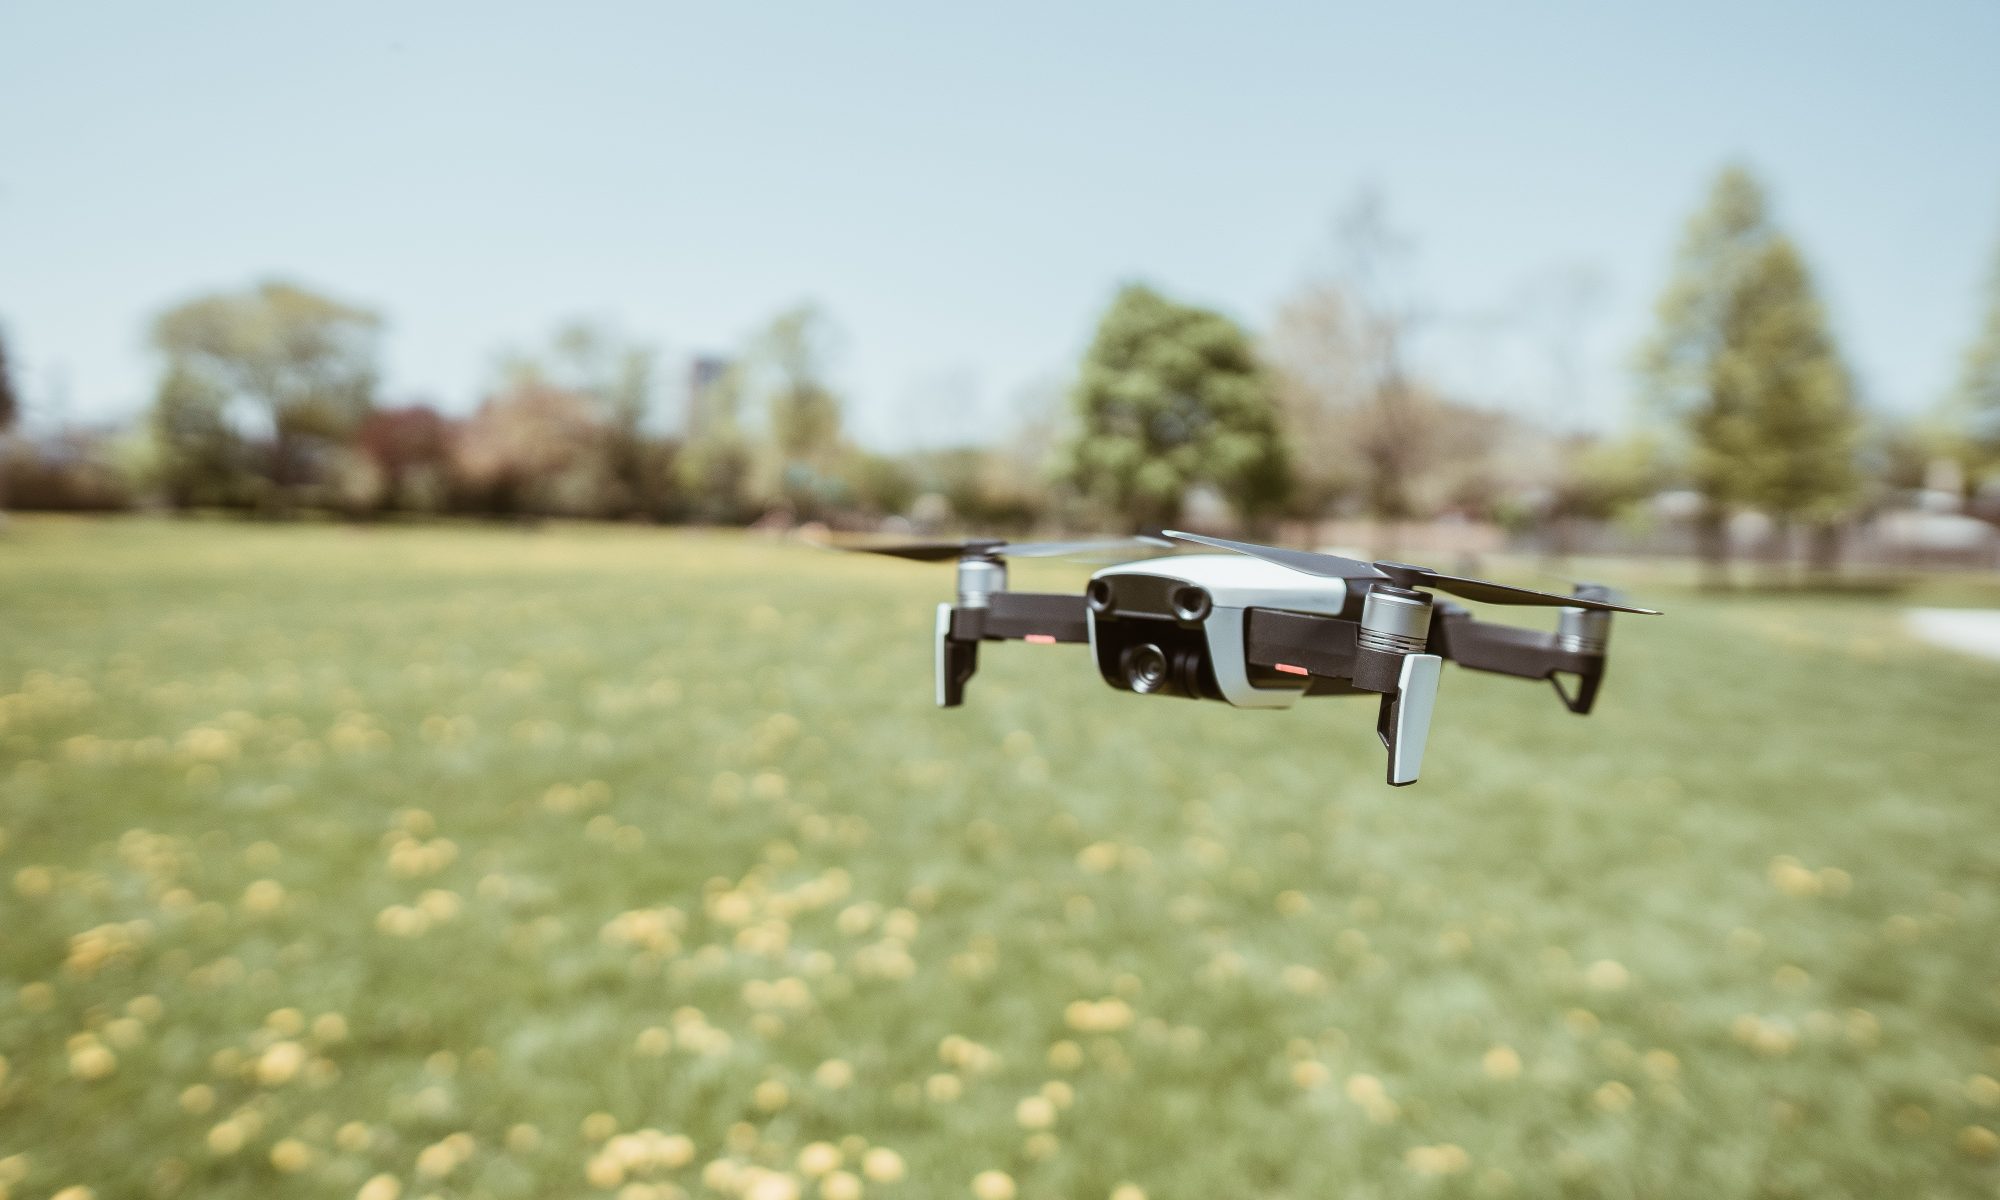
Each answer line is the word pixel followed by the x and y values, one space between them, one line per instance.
pixel 479 176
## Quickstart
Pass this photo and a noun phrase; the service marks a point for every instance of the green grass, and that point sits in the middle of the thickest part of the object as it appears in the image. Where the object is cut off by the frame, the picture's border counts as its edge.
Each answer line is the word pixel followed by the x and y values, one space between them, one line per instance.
pixel 1734 935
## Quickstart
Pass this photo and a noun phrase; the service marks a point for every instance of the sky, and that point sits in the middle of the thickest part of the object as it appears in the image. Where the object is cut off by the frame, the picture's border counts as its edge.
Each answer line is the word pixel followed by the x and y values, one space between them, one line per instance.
pixel 962 188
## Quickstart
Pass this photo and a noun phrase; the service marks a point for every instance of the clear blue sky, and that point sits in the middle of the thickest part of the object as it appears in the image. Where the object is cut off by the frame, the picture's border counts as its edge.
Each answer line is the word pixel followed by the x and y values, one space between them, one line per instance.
pixel 963 186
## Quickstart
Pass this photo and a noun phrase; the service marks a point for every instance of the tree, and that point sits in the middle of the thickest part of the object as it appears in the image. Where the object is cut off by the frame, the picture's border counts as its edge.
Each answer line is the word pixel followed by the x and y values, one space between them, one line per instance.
pixel 199 459
pixel 307 361
pixel 1779 370
pixel 532 449
pixel 1974 406
pixel 1170 396
pixel 618 379
pixel 1678 365
pixel 716 466
pixel 408 447
pixel 10 413
pixel 1370 430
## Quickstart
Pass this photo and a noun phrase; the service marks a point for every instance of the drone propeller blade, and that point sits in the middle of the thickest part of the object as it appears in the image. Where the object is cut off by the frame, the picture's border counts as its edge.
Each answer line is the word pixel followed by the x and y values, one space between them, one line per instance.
pixel 1102 547
pixel 1331 566
pixel 1489 592
pixel 918 551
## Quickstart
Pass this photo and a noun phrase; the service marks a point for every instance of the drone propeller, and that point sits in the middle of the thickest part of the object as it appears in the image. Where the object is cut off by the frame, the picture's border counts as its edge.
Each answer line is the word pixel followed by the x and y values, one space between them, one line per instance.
pixel 1334 566
pixel 995 548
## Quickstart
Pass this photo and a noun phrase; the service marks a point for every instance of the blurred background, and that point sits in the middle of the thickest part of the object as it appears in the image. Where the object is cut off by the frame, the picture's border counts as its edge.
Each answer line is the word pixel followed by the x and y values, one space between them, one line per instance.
pixel 434 760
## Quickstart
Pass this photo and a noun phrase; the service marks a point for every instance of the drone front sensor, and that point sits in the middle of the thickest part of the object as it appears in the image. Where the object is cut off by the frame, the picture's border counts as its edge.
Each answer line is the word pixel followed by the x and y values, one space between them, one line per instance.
pixel 1263 626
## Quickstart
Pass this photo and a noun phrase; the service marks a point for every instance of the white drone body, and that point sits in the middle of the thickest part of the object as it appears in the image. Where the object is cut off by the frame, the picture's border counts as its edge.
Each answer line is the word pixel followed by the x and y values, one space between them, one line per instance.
pixel 1222 590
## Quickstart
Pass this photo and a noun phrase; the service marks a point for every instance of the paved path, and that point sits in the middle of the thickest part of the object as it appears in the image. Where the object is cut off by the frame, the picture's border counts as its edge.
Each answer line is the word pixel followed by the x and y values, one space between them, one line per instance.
pixel 1971 630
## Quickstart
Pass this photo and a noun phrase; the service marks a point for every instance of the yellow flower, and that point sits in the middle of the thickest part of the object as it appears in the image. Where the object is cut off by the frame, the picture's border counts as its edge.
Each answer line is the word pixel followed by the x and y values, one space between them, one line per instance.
pixel 771 1095
pixel 943 1088
pixel 840 1185
pixel 1128 1191
pixel 381 1187
pixel 225 1139
pixel 882 1165
pixel 75 1191
pixel 92 1061
pixel 1978 1141
pixel 279 1064
pixel 264 896
pixel 818 1158
pixel 1502 1063
pixel 1612 1097
pixel 993 1185
pixel 1035 1112
pixel 1607 975
pixel 1065 1055
pixel 291 1156
pixel 833 1074
pixel 1444 1159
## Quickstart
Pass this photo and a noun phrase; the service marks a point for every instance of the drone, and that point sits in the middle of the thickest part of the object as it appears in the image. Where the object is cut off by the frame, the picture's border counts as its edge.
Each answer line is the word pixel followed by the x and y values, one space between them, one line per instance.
pixel 1263 626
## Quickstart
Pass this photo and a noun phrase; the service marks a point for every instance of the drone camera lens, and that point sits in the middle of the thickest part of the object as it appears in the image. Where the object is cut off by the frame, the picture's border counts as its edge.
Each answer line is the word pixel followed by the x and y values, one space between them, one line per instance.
pixel 1191 603
pixel 1098 596
pixel 1146 668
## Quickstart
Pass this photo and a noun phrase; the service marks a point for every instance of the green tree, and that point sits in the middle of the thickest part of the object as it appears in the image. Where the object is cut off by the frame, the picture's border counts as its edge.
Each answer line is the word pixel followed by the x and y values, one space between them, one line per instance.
pixel 199 460
pixel 1779 369
pixel 618 380
pixel 1170 396
pixel 1974 407
pixel 307 361
pixel 1678 365
pixel 716 468
pixel 10 412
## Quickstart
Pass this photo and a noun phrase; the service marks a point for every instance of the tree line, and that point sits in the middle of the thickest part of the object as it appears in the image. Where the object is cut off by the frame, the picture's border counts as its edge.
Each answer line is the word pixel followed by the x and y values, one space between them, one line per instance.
pixel 269 401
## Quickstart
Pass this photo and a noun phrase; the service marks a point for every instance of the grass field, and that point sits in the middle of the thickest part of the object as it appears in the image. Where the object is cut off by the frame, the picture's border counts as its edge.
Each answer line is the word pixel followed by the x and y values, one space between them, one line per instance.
pixel 608 862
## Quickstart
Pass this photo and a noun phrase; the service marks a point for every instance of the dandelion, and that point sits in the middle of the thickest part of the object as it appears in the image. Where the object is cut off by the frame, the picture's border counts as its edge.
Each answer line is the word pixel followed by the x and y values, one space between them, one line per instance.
pixel 1443 1159
pixel 1065 1055
pixel 993 1185
pixel 381 1187
pixel 1035 1112
pixel 264 896
pixel 279 1064
pixel 291 1156
pixel 1978 1141
pixel 1128 1191
pixel 840 1185
pixel 882 1165
pixel 1310 1073
pixel 92 1060
pixel 1607 975
pixel 772 1185
pixel 75 1191
pixel 226 1138
pixel 1502 1063
pixel 1612 1097
pixel 818 1158
pixel 598 1126
pixel 943 1087
pixel 1060 1094
pixel 833 1074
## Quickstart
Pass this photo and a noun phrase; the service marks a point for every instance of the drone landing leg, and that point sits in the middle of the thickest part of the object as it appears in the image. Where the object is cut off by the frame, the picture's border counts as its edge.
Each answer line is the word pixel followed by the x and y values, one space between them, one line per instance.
pixel 1404 723
pixel 955 662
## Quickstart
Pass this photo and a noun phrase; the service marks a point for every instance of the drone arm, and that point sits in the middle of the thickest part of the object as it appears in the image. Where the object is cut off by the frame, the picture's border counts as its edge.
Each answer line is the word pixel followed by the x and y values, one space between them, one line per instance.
pixel 1328 651
pixel 1033 617
pixel 1005 617
pixel 1523 653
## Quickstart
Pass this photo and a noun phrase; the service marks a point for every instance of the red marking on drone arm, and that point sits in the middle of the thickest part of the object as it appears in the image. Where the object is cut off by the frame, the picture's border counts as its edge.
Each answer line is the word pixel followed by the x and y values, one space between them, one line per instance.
pixel 1289 669
pixel 1041 639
